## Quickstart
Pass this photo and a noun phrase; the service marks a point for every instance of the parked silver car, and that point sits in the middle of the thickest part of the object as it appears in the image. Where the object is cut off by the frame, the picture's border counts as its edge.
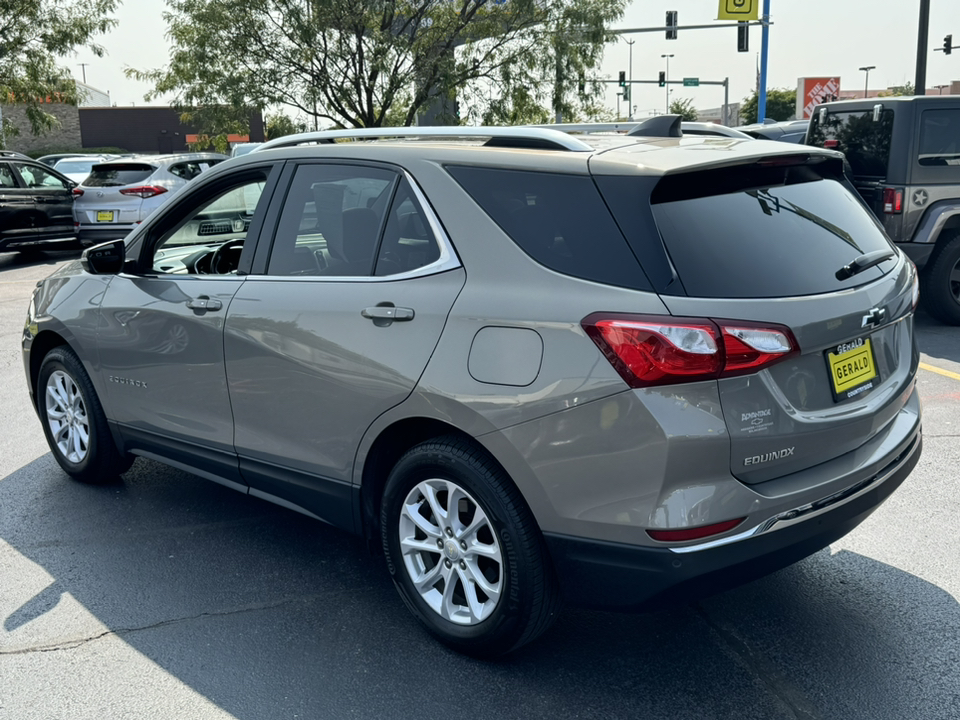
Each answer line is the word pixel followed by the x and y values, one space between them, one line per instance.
pixel 621 371
pixel 78 168
pixel 118 195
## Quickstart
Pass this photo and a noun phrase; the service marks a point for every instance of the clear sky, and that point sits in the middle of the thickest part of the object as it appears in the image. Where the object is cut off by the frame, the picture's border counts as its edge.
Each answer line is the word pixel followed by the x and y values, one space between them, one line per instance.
pixel 808 38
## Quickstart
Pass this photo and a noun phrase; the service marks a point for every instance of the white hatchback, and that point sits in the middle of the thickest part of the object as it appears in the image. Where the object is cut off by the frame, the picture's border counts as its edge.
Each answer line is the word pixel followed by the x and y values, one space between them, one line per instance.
pixel 119 194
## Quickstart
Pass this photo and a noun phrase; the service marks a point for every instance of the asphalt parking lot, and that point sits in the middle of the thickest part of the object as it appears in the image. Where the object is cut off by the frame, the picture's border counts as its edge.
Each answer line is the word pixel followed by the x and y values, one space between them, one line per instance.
pixel 166 596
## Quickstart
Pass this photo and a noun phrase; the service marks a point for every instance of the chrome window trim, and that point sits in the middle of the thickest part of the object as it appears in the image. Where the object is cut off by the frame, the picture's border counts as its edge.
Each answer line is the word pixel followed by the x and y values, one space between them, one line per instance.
pixel 448 259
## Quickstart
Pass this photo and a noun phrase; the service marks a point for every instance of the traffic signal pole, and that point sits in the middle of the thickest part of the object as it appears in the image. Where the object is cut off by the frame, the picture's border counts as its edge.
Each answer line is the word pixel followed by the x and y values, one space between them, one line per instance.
pixel 920 81
pixel 764 48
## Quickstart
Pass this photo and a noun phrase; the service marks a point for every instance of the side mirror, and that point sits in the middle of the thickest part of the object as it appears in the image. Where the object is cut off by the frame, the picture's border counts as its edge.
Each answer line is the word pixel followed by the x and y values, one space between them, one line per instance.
pixel 823 115
pixel 104 259
pixel 877 112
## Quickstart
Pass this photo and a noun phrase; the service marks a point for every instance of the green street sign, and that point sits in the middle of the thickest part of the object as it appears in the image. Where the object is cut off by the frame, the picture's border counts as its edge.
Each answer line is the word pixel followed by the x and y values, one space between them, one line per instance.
pixel 691 82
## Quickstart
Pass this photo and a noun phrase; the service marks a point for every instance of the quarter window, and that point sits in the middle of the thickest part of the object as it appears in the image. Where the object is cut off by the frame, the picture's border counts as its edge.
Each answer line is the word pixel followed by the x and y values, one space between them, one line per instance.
pixel 940 138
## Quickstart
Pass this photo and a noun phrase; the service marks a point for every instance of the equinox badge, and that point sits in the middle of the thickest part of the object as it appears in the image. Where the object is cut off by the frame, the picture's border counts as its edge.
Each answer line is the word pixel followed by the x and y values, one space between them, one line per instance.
pixel 767 457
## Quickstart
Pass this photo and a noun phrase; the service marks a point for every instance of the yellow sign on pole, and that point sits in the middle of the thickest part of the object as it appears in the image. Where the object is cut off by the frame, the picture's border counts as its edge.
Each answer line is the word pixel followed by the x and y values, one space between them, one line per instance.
pixel 739 10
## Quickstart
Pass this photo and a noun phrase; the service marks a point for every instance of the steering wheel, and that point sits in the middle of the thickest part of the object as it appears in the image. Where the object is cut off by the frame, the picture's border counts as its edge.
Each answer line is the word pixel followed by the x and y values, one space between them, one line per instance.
pixel 219 256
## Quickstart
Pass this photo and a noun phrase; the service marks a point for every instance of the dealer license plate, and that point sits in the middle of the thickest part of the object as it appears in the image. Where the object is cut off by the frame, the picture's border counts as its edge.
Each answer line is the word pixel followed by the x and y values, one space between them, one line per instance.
pixel 853 370
pixel 104 215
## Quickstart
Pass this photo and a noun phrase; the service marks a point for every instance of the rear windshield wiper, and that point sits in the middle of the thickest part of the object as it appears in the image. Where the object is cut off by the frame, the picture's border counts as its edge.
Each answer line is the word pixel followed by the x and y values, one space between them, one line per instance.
pixel 864 262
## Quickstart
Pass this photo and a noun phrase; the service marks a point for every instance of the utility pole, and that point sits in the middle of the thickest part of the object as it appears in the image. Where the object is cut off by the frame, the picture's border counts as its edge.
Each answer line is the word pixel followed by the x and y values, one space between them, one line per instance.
pixel 764 48
pixel 83 68
pixel 920 82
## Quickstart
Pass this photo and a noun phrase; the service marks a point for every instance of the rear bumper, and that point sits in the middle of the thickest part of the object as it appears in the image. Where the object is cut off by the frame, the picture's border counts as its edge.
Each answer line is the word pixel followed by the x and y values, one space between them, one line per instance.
pixel 614 576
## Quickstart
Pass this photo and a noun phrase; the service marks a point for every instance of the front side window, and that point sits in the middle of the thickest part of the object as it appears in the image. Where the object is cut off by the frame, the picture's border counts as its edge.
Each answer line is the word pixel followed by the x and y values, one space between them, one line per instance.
pixel 331 221
pixel 36 177
pixel 210 237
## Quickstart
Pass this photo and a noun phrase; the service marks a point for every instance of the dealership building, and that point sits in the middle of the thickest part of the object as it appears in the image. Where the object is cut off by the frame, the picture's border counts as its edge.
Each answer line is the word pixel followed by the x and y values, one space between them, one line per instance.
pixel 94 123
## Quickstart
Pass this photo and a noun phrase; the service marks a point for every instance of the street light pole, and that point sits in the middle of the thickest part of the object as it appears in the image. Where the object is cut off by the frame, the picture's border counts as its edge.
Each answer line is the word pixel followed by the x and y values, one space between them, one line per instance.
pixel 666 77
pixel 866 82
pixel 630 103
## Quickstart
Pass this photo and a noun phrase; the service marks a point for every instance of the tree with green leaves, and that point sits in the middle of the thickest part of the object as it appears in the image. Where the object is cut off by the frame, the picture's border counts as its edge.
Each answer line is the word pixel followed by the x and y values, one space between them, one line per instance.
pixel 279 125
pixel 685 109
pixel 898 91
pixel 781 105
pixel 368 64
pixel 34 35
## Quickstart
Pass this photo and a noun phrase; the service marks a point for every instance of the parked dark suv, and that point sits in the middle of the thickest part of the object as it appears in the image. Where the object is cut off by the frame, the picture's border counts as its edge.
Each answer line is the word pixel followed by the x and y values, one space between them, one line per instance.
pixel 615 369
pixel 905 158
pixel 36 205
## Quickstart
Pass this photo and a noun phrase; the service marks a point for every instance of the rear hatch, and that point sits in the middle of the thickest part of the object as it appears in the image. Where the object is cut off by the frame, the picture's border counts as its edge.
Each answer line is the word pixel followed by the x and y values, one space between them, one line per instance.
pixel 759 249
pixel 114 192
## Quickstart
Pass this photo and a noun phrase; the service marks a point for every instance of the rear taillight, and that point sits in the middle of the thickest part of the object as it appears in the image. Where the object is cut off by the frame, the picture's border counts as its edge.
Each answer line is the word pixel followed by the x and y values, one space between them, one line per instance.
pixel 914 287
pixel 694 533
pixel 892 201
pixel 662 350
pixel 78 192
pixel 144 191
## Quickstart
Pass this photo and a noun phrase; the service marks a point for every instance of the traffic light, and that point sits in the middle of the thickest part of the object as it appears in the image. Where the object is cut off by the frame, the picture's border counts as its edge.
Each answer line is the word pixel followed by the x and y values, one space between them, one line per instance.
pixel 663 78
pixel 582 86
pixel 948 45
pixel 671 24
pixel 743 36
pixel 623 79
pixel 626 93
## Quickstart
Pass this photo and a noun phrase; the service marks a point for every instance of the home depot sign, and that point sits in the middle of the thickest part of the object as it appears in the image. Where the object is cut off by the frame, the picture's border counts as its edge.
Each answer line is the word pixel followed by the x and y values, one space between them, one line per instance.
pixel 814 91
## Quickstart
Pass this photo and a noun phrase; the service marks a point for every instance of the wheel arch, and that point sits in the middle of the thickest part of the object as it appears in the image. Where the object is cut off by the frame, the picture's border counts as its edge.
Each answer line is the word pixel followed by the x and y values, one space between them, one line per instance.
pixel 43 343
pixel 396 439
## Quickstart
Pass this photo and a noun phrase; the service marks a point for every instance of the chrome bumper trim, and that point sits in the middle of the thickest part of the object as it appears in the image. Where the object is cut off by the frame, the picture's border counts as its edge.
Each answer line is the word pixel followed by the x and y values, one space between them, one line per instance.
pixel 810 510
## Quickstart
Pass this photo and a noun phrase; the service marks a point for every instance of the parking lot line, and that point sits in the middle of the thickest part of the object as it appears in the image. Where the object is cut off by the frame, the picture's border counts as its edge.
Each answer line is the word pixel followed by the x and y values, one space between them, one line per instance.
pixel 940 371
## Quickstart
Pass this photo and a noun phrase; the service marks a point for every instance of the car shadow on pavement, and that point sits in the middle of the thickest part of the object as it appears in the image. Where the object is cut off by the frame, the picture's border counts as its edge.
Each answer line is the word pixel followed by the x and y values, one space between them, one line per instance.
pixel 937 339
pixel 270 614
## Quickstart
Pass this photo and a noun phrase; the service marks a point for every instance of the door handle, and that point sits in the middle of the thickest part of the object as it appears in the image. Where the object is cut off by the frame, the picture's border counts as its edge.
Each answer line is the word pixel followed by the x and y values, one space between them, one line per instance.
pixel 388 312
pixel 204 303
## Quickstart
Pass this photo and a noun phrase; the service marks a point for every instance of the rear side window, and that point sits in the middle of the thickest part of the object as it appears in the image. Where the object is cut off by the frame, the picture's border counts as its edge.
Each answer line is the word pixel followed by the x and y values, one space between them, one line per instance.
pixel 117 175
pixel 766 241
pixel 559 220
pixel 940 138
pixel 864 141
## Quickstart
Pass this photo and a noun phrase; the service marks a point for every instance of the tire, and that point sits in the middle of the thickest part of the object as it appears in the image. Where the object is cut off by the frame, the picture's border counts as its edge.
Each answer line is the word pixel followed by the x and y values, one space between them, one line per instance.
pixel 73 420
pixel 940 283
pixel 502 591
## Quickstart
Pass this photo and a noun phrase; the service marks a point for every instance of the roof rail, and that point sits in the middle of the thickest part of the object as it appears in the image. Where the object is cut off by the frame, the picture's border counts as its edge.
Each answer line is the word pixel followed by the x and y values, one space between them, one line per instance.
pixel 521 137
pixel 659 126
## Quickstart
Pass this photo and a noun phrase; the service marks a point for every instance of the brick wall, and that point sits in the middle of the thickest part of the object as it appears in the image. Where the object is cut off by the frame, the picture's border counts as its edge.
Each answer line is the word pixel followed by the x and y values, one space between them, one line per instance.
pixel 67 135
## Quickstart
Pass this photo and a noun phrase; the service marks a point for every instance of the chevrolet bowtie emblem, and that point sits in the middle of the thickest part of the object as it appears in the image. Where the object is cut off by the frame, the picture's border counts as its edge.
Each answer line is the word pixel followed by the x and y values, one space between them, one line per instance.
pixel 873 318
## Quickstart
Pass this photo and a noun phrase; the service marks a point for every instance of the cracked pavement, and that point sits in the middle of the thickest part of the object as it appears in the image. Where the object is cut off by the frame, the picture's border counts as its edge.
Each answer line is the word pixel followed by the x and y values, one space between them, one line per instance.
pixel 166 596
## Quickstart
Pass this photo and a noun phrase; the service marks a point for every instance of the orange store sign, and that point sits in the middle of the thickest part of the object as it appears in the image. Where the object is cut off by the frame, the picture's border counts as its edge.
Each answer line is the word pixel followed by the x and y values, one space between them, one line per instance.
pixel 814 91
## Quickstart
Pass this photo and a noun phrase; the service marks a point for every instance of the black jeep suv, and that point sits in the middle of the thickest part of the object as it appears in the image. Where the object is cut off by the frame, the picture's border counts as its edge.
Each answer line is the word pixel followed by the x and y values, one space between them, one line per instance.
pixel 905 156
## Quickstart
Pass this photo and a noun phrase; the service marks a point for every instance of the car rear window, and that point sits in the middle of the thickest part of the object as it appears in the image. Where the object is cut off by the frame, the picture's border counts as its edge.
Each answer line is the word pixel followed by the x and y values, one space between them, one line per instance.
pixel 116 175
pixel 767 240
pixel 559 220
pixel 865 141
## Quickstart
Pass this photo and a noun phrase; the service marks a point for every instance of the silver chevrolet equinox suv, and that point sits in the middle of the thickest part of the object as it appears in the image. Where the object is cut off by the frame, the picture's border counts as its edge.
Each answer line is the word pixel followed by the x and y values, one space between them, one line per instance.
pixel 532 365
